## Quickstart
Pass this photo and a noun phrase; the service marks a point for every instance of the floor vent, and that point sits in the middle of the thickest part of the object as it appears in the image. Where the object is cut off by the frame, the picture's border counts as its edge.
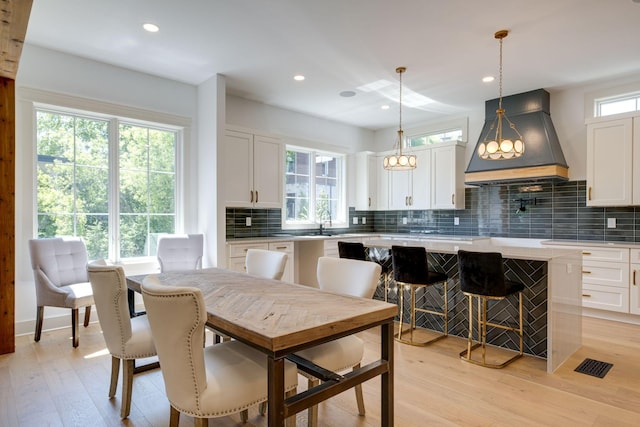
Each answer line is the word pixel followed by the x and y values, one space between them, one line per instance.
pixel 594 368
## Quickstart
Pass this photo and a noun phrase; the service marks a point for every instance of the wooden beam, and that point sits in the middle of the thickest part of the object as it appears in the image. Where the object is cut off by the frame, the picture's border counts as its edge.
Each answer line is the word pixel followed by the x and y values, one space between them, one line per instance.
pixel 14 16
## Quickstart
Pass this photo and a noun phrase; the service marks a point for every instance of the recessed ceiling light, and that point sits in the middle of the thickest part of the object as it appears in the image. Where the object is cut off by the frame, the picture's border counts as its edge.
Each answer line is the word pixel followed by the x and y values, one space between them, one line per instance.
pixel 488 79
pixel 385 107
pixel 298 78
pixel 347 93
pixel 152 28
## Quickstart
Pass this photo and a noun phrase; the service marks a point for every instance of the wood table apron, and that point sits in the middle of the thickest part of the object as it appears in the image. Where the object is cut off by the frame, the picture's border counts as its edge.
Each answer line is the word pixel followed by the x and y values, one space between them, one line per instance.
pixel 279 319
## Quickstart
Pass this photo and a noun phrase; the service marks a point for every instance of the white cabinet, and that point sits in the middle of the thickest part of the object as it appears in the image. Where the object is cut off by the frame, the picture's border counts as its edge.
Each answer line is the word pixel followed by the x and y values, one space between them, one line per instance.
pixel 367 167
pixel 605 278
pixel 237 252
pixel 412 189
pixel 613 161
pixel 634 287
pixel 447 177
pixel 253 174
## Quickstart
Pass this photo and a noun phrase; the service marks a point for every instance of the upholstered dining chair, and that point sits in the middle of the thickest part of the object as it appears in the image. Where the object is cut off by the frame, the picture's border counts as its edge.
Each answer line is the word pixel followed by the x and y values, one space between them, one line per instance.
pixel 207 382
pixel 127 338
pixel 60 273
pixel 264 263
pixel 350 277
pixel 180 252
pixel 356 250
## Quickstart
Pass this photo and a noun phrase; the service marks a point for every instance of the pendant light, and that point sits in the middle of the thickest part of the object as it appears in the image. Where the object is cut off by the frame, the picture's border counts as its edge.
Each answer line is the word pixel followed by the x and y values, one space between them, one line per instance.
pixel 498 147
pixel 399 161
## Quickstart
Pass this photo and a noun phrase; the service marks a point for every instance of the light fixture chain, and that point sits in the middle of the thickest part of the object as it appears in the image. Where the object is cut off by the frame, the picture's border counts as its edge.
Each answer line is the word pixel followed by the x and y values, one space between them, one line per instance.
pixel 500 82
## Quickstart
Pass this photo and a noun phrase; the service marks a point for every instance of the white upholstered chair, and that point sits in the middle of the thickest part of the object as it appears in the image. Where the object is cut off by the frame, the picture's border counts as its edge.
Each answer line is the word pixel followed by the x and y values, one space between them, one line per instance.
pixel 264 263
pixel 60 273
pixel 180 252
pixel 350 277
pixel 127 338
pixel 208 382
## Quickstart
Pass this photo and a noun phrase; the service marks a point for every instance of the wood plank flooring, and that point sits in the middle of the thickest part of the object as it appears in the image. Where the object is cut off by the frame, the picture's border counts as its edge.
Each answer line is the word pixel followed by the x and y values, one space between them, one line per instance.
pixel 51 384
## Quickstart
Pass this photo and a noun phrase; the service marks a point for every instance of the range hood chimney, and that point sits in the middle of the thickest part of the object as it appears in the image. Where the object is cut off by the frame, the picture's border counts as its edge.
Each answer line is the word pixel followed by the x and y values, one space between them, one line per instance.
pixel 542 158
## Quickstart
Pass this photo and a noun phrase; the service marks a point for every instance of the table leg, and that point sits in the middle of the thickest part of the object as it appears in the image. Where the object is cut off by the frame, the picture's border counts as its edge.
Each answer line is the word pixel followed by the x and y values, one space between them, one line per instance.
pixel 386 353
pixel 276 392
pixel 131 299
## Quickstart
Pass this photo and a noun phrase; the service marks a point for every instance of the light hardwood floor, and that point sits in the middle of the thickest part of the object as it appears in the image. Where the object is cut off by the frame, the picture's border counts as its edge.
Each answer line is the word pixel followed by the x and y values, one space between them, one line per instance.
pixel 50 384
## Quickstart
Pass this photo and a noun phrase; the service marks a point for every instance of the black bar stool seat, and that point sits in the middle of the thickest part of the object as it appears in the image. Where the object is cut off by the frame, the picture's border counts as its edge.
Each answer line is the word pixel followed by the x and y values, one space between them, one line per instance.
pixel 411 272
pixel 482 277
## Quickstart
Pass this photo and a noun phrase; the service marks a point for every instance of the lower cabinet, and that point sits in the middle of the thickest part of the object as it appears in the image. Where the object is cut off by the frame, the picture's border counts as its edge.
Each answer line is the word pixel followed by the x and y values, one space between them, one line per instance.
pixel 236 254
pixel 605 278
pixel 634 287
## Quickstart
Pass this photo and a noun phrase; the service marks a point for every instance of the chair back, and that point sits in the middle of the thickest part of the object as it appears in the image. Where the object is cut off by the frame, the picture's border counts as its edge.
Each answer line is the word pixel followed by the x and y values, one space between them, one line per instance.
pixel 482 273
pixel 62 260
pixel 410 264
pixel 178 340
pixel 348 276
pixel 352 250
pixel 264 263
pixel 110 295
pixel 180 252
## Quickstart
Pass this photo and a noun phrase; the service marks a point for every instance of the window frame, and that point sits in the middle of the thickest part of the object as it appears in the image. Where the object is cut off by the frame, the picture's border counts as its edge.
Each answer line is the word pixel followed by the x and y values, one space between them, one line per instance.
pixel 64 104
pixel 343 221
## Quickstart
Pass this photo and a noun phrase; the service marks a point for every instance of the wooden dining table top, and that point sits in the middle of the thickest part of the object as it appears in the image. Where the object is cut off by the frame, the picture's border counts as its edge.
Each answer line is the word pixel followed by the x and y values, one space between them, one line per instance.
pixel 275 316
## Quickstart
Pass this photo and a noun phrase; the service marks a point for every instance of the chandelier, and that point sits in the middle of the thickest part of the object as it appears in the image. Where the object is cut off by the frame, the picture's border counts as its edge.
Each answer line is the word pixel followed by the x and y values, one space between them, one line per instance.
pixel 499 148
pixel 399 161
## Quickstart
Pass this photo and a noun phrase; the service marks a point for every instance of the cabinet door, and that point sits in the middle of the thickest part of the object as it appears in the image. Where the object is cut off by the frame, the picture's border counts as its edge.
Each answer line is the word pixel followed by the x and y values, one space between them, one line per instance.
pixel 636 161
pixel 609 163
pixel 382 185
pixel 399 189
pixel 634 290
pixel 447 178
pixel 268 176
pixel 366 177
pixel 421 181
pixel 238 169
pixel 289 268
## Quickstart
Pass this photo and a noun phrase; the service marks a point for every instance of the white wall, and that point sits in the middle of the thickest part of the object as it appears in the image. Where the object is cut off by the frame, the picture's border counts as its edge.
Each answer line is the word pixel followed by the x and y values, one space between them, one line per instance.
pixel 78 79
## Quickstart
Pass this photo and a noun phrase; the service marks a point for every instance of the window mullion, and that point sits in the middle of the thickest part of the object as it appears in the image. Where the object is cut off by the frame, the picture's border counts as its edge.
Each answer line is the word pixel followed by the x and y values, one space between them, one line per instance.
pixel 114 191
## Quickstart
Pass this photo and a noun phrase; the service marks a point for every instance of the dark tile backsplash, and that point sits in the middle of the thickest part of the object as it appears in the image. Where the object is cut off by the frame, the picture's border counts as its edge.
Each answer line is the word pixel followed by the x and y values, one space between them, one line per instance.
pixel 558 211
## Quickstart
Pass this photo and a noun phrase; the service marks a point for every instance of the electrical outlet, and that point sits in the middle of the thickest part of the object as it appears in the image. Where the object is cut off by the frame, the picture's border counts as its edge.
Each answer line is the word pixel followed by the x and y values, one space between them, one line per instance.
pixel 456 220
pixel 364 220
pixel 404 220
pixel 355 220
pixel 611 223
pixel 248 221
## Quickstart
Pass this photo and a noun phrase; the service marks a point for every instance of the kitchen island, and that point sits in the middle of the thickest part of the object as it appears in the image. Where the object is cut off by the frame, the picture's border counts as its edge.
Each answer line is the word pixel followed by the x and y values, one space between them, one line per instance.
pixel 552 296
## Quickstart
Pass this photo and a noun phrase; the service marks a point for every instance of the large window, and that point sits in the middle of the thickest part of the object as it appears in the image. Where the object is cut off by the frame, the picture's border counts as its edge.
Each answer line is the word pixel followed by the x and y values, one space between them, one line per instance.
pixel 314 189
pixel 111 182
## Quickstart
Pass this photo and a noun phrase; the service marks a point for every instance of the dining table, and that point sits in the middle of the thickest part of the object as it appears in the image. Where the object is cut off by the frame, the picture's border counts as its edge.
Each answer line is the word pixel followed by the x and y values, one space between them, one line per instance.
pixel 280 319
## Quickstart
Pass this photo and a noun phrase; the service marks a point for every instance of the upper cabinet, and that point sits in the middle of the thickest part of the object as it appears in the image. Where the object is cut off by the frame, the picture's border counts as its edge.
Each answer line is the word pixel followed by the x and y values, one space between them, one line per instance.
pixel 436 183
pixel 367 165
pixel 253 170
pixel 613 161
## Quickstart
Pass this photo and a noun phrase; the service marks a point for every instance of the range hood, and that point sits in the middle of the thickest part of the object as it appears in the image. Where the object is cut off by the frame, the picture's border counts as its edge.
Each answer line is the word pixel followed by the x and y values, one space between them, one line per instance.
pixel 542 158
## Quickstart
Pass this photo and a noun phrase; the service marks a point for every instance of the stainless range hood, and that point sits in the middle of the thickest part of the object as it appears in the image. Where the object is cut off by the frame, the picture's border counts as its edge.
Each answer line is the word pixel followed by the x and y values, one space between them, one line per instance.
pixel 542 158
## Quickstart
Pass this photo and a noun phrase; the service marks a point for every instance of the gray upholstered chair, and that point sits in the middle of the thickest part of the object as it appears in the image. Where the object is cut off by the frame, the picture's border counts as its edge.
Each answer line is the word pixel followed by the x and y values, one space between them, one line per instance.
pixel 127 338
pixel 60 273
pixel 264 263
pixel 349 277
pixel 180 252
pixel 208 382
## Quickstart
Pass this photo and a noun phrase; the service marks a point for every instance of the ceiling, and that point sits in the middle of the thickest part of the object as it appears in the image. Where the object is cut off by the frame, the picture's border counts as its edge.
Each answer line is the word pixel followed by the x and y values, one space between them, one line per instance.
pixel 354 45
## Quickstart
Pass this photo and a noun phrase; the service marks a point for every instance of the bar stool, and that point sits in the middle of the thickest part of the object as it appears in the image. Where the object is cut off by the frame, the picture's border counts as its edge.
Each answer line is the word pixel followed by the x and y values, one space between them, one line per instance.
pixel 411 271
pixel 482 276
pixel 356 250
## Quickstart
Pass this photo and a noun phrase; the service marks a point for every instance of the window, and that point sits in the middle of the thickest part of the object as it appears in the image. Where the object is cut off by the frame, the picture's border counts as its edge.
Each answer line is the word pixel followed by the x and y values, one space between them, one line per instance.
pixel 435 138
pixel 314 189
pixel 111 182
pixel 620 104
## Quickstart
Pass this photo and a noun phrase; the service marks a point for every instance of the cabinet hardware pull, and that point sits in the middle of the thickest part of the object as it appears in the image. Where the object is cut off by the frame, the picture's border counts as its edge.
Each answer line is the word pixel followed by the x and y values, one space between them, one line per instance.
pixel 281 247
pixel 589 194
pixel 453 199
pixel 245 249
pixel 256 196
pixel 251 196
pixel 369 201
pixel 586 295
pixel 406 200
pixel 634 277
pixel 410 200
pixel 586 253
pixel 586 272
